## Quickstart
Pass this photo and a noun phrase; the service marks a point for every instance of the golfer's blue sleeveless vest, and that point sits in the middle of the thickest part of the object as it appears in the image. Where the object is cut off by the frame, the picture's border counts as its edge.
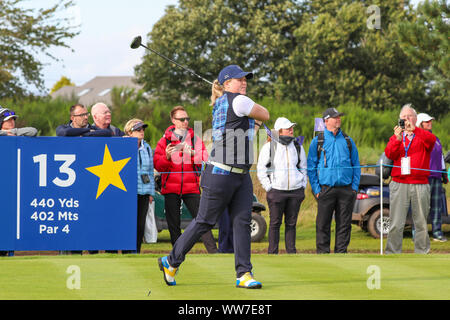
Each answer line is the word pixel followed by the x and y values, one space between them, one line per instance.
pixel 232 135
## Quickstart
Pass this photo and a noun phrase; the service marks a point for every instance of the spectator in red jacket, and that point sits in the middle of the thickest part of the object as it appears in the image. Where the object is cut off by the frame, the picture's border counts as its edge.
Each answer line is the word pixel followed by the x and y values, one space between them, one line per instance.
pixel 178 156
pixel 410 148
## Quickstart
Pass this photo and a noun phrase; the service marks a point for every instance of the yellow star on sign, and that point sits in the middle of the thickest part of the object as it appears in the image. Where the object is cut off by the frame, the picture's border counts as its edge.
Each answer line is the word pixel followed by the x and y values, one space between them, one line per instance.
pixel 108 172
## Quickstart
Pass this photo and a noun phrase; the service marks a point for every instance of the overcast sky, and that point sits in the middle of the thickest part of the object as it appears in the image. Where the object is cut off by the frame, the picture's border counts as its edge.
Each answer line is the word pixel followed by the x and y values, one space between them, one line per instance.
pixel 103 46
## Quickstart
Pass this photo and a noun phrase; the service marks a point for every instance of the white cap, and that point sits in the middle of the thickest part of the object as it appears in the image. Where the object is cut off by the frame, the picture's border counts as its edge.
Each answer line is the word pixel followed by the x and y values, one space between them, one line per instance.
pixel 283 123
pixel 423 117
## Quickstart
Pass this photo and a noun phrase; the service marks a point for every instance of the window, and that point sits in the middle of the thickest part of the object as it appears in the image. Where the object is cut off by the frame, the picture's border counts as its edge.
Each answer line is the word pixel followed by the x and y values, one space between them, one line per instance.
pixel 83 92
pixel 104 92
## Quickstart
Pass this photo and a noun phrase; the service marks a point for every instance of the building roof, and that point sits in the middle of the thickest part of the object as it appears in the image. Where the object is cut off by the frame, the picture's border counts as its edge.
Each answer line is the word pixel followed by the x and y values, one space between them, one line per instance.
pixel 96 90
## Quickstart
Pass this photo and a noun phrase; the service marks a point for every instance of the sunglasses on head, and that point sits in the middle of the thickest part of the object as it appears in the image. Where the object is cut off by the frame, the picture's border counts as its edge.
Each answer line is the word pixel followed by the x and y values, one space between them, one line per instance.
pixel 8 113
pixel 183 119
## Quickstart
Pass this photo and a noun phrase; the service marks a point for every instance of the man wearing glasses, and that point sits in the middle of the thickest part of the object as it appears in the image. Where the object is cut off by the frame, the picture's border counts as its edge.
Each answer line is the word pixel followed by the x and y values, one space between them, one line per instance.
pixel 178 157
pixel 79 126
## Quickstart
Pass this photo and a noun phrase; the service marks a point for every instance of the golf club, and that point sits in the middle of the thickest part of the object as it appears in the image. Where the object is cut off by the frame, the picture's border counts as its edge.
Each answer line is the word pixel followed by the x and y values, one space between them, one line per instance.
pixel 137 42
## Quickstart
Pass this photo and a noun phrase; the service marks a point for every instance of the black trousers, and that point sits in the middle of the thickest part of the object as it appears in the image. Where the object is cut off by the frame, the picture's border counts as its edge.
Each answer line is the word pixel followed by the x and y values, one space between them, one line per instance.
pixel 233 191
pixel 173 216
pixel 340 201
pixel 142 208
pixel 285 203
pixel 225 233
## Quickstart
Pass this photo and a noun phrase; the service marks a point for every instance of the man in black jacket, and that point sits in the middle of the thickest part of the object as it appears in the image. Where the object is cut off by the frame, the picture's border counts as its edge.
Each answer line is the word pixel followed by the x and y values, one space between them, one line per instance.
pixel 102 119
pixel 79 126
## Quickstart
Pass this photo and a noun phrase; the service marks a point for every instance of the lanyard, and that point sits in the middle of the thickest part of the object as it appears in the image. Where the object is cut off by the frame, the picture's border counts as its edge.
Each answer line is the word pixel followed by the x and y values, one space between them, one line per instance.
pixel 409 144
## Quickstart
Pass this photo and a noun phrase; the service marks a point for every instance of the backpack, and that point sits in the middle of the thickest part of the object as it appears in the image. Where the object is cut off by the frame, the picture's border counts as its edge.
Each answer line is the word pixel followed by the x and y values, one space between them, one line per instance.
pixel 273 146
pixel 321 140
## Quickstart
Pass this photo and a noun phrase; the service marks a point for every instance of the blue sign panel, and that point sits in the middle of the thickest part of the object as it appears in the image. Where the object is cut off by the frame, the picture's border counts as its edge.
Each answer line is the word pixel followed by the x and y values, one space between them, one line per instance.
pixel 68 193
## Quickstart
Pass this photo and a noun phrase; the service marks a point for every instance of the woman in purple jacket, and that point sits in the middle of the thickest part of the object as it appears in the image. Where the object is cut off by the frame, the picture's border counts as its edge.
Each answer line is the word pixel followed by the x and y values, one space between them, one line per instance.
pixel 436 178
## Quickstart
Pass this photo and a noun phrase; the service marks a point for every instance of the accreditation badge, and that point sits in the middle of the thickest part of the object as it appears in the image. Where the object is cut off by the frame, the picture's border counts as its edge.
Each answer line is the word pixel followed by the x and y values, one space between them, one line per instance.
pixel 406 166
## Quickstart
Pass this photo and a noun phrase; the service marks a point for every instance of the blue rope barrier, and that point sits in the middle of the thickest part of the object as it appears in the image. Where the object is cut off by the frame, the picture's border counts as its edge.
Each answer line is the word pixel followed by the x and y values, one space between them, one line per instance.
pixel 353 167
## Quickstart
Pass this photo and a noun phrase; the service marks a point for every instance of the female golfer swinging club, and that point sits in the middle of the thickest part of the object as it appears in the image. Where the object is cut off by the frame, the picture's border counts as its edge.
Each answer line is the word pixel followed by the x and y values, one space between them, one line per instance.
pixel 226 182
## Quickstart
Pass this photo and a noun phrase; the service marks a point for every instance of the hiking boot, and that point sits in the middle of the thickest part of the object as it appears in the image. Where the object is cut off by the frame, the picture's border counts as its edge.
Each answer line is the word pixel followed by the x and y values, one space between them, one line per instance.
pixel 247 282
pixel 169 272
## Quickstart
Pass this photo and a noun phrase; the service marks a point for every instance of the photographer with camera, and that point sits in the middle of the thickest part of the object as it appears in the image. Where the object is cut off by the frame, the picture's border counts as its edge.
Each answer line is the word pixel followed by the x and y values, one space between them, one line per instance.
pixel 135 128
pixel 410 148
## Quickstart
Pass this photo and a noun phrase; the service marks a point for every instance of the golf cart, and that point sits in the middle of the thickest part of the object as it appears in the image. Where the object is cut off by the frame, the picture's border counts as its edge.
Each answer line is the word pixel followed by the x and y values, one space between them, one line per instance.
pixel 258 224
pixel 366 211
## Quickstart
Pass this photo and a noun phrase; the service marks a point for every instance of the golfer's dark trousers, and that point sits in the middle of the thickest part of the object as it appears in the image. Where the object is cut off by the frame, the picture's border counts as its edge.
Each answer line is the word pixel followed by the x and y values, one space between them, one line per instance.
pixel 225 239
pixel 288 203
pixel 340 201
pixel 172 203
pixel 233 191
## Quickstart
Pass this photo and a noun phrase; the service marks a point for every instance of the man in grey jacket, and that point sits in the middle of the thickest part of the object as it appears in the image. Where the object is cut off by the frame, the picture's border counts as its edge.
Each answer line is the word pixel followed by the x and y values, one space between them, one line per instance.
pixel 8 125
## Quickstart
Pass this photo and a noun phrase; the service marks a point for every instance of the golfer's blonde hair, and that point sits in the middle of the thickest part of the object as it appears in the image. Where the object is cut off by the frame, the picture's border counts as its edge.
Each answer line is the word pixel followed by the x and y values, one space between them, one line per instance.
pixel 217 90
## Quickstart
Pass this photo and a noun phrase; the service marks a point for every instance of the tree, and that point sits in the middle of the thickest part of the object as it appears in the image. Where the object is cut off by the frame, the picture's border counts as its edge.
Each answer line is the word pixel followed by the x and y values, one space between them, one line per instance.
pixel 23 33
pixel 340 59
pixel 426 41
pixel 64 81
pixel 316 52
pixel 207 35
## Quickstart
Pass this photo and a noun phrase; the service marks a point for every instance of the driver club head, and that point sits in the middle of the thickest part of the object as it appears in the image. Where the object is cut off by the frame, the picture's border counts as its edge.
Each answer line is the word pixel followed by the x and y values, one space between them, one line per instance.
pixel 136 43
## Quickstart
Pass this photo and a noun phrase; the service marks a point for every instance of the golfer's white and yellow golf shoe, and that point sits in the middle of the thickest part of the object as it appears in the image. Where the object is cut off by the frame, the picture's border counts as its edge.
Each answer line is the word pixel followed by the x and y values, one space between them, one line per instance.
pixel 247 282
pixel 168 271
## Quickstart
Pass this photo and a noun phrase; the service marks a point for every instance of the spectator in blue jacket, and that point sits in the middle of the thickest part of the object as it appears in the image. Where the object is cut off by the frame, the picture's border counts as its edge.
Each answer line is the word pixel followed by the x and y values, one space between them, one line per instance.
pixel 334 173
pixel 79 126
pixel 146 183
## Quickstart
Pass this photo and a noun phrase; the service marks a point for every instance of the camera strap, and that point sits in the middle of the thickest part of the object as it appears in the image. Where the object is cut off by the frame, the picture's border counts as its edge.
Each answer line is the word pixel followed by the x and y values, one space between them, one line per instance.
pixel 409 145
pixel 140 158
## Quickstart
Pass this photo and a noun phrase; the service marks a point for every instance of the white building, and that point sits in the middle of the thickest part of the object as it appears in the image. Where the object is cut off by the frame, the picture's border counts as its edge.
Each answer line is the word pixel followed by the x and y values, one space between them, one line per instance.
pixel 96 90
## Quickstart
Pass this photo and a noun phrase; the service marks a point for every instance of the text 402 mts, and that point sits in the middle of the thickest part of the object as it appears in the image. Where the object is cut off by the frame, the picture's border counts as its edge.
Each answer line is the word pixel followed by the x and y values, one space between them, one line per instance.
pixel 50 216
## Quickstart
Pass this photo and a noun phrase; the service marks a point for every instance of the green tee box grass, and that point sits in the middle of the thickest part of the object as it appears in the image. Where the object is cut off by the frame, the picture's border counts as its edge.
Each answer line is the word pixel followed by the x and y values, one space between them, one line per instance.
pixel 212 277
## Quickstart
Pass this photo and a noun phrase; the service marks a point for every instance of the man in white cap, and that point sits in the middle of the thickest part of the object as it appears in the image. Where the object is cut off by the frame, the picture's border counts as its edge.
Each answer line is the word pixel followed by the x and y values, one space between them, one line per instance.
pixel 436 178
pixel 281 170
pixel 334 174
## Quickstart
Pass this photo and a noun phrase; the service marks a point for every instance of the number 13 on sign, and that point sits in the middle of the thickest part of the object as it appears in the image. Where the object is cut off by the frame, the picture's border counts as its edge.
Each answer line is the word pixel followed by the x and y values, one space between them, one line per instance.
pixel 67 159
